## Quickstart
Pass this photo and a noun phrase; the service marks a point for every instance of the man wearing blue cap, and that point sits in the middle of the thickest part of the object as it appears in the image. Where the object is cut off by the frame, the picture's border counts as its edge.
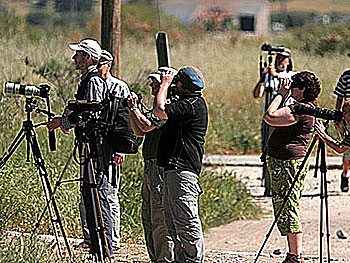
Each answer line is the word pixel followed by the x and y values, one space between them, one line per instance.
pixel 180 152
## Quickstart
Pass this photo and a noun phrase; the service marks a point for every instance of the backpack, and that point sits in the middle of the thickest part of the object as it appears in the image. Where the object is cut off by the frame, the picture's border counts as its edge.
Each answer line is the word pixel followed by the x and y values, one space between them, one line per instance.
pixel 119 132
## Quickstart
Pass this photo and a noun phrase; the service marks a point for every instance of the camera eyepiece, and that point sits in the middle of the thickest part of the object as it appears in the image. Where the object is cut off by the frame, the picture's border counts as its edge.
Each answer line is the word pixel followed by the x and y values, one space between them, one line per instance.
pixel 27 90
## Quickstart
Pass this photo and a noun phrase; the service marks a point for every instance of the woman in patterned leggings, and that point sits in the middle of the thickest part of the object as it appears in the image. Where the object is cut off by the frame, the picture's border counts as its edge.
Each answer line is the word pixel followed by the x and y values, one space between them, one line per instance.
pixel 286 150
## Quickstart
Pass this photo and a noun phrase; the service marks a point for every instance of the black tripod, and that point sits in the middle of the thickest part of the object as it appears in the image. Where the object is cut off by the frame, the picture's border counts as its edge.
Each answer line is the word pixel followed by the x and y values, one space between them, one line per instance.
pixel 99 244
pixel 324 208
pixel 323 196
pixel 265 128
pixel 89 159
pixel 28 132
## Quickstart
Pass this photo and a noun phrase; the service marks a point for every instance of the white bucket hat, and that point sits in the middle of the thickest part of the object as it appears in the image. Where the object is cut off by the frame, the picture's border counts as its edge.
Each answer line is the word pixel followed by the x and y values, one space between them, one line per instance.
pixel 90 46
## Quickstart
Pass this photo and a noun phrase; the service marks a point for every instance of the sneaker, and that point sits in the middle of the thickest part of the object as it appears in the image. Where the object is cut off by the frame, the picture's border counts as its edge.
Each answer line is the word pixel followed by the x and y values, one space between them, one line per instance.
pixel 291 258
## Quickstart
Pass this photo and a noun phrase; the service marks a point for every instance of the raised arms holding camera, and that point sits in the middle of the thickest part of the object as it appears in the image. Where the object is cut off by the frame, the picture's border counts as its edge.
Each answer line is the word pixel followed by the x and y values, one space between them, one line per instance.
pixel 270 77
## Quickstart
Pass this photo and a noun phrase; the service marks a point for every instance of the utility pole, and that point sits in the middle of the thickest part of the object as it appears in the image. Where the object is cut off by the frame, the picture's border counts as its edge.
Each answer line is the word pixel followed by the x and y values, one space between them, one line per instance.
pixel 111 30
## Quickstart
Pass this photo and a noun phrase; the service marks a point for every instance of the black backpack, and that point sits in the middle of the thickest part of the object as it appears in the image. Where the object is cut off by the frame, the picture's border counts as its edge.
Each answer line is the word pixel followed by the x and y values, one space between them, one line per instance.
pixel 119 132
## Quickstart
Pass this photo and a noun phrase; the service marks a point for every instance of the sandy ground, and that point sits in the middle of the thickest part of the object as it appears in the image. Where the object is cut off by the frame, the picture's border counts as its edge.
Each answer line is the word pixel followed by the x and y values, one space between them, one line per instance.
pixel 241 240
pixel 248 236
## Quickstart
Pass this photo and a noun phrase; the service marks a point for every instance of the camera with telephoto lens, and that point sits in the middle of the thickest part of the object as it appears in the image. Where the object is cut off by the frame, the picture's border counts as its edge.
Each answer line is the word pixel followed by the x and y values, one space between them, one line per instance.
pixel 322 113
pixel 27 90
pixel 270 48
pixel 80 106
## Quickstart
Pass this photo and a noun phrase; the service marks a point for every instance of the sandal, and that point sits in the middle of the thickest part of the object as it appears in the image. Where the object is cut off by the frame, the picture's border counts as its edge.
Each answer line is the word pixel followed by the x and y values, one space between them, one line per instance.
pixel 344 183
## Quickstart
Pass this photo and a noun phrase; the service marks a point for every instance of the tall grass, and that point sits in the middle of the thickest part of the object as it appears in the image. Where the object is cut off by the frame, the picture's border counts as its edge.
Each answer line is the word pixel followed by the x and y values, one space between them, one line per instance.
pixel 319 6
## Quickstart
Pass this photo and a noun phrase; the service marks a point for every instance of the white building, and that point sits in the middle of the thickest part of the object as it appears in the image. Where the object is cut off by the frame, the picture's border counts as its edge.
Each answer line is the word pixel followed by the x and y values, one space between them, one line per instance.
pixel 249 15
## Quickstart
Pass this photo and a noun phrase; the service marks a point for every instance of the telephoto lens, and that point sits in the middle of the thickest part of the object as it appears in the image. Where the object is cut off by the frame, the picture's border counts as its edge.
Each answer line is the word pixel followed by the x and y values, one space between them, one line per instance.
pixel 322 113
pixel 26 90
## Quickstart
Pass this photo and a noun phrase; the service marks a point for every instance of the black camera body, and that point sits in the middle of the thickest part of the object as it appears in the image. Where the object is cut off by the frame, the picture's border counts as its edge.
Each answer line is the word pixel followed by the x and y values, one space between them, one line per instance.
pixel 85 106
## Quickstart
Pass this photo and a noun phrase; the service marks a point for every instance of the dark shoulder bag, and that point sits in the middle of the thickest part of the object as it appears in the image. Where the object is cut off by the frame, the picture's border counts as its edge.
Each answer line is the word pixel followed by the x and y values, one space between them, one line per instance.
pixel 120 134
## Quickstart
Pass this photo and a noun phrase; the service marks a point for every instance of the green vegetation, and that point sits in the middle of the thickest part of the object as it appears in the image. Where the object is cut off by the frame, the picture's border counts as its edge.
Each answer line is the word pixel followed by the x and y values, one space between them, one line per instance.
pixel 229 62
pixel 224 199
pixel 317 6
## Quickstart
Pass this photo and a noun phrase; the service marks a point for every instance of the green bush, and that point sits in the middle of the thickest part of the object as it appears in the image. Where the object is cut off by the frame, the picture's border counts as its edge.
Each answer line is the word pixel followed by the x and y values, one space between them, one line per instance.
pixel 225 199
pixel 293 19
pixel 323 39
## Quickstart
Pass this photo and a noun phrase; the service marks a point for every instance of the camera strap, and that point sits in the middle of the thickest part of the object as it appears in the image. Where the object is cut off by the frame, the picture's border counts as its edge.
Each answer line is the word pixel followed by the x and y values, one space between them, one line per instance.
pixel 82 87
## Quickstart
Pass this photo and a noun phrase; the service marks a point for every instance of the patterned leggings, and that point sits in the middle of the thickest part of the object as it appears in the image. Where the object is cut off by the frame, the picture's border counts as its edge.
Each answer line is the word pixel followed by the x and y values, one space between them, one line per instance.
pixel 282 174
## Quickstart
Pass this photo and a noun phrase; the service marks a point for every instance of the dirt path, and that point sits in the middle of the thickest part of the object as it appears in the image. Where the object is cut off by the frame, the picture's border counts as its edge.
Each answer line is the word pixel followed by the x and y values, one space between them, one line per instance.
pixel 248 236
pixel 241 240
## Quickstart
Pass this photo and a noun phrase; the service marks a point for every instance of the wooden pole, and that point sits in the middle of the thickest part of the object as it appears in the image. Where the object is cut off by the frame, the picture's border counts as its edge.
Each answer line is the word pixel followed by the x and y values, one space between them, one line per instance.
pixel 111 30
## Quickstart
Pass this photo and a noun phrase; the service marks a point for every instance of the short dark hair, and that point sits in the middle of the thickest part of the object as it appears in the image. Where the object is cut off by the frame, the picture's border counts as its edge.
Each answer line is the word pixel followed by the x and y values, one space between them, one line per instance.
pixel 309 81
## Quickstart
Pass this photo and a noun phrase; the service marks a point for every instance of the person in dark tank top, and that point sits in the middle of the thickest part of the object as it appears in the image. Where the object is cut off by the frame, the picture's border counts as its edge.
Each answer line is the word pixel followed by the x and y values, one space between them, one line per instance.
pixel 286 150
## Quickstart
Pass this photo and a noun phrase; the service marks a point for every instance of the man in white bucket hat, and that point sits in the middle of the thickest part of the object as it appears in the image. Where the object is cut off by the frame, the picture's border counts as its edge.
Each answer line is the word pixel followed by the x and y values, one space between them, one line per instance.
pixel 92 87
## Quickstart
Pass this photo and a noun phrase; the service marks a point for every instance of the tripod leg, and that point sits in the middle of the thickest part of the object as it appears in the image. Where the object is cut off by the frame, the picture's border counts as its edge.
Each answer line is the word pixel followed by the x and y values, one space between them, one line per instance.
pixel 54 190
pixel 99 241
pixel 327 223
pixel 266 132
pixel 39 162
pixel 16 142
pixel 321 218
pixel 286 197
pixel 324 199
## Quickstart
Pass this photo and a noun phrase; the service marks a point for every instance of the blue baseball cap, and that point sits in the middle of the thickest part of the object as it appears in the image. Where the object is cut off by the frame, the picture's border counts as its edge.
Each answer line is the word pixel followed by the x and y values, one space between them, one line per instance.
pixel 192 78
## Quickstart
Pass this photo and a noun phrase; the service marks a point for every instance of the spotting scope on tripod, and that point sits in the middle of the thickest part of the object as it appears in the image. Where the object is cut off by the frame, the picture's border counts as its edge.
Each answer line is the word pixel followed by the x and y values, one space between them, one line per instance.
pixel 28 133
pixel 42 91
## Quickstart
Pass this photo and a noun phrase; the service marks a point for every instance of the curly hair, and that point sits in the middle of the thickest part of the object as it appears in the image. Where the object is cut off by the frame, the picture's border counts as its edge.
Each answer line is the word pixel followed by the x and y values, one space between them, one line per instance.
pixel 310 82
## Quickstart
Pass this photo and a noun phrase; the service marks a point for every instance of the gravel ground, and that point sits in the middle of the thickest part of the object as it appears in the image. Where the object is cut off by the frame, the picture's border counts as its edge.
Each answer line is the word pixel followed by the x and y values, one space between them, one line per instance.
pixel 241 240
pixel 248 236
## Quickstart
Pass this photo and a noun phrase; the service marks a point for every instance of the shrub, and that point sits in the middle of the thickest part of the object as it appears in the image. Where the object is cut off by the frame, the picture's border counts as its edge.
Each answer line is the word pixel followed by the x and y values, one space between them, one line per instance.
pixel 215 20
pixel 225 199
pixel 293 19
pixel 323 39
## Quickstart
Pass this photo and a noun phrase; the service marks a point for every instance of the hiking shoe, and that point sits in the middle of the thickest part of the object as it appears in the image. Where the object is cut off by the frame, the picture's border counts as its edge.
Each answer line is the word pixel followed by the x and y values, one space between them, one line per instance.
pixel 291 258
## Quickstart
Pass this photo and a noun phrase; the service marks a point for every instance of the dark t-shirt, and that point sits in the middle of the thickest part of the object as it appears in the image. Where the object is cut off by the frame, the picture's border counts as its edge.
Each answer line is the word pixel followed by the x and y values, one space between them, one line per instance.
pixel 181 145
pixel 150 144
pixel 290 142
